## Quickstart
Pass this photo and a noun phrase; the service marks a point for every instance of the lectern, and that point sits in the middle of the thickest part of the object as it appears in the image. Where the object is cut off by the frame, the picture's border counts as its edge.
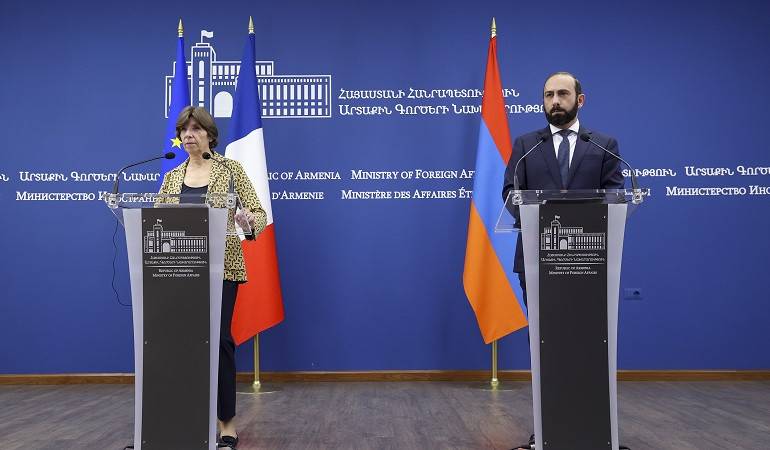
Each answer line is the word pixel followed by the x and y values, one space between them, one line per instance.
pixel 572 245
pixel 176 247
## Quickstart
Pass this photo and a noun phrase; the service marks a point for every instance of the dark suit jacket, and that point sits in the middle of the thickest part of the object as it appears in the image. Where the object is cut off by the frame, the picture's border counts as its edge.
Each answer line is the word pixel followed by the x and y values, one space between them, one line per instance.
pixel 591 168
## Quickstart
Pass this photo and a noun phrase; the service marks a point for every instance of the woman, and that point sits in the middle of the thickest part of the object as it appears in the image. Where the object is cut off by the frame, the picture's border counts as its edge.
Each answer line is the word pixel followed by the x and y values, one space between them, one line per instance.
pixel 196 129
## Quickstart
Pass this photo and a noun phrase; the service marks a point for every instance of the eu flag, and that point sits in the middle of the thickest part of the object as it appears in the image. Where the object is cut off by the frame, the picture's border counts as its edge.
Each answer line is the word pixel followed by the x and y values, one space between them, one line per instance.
pixel 180 98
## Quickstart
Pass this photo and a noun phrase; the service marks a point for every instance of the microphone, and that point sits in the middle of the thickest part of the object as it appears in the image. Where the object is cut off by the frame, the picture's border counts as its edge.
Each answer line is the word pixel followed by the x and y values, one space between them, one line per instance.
pixel 587 138
pixel 543 138
pixel 169 155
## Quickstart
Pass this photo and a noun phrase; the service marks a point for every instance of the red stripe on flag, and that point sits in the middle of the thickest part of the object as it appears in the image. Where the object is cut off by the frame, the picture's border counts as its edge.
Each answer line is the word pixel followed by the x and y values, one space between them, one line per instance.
pixel 259 304
pixel 493 105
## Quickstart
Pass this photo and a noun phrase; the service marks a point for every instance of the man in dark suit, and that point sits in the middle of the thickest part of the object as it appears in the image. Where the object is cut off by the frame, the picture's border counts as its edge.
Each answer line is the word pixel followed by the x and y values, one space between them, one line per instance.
pixel 562 160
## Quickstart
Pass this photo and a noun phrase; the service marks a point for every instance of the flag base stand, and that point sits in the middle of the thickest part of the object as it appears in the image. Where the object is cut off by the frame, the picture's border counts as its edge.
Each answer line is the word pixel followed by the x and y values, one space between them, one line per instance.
pixel 256 389
pixel 494 382
pixel 494 388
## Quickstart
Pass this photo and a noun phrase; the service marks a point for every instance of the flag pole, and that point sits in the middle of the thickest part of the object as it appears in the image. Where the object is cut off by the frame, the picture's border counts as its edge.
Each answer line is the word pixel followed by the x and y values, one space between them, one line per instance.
pixel 256 384
pixel 256 387
pixel 485 280
pixel 494 382
pixel 247 109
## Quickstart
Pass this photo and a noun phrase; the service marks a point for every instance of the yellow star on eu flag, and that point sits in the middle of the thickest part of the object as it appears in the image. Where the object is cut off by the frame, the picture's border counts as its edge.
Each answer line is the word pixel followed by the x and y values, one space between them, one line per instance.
pixel 176 142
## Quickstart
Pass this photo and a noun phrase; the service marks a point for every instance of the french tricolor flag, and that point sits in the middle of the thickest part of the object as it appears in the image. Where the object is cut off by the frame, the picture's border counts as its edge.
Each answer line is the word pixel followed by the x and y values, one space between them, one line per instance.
pixel 259 304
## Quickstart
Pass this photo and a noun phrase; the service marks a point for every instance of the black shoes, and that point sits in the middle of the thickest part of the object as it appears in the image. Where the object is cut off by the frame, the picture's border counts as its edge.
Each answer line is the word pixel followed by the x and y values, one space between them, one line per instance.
pixel 528 446
pixel 227 441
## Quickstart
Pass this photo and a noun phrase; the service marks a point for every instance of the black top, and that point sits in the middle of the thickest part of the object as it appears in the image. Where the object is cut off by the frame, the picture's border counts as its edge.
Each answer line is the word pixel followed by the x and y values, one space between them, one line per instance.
pixel 203 190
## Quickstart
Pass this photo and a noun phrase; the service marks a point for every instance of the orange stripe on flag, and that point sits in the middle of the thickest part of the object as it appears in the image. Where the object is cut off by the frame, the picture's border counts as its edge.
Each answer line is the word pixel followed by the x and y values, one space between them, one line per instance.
pixel 486 285
pixel 259 304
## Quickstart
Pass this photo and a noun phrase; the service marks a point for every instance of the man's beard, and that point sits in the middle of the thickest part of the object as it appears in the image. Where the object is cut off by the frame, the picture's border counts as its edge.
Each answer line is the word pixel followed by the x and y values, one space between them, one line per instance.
pixel 561 119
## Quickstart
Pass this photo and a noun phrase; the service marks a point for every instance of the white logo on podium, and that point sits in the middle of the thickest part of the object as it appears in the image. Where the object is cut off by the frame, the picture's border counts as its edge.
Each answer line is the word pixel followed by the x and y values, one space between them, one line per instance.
pixel 558 237
pixel 159 240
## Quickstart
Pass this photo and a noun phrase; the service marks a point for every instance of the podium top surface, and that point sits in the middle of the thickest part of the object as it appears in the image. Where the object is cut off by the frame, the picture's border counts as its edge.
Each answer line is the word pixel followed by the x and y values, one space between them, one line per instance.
pixel 507 221
pixel 136 200
pixel 121 202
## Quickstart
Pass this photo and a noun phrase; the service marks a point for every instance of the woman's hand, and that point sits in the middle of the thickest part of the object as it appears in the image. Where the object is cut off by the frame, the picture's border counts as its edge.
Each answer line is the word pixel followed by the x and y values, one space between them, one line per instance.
pixel 245 218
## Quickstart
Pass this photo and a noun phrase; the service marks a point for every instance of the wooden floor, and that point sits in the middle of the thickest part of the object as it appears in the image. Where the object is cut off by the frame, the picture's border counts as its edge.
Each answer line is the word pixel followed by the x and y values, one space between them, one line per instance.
pixel 406 415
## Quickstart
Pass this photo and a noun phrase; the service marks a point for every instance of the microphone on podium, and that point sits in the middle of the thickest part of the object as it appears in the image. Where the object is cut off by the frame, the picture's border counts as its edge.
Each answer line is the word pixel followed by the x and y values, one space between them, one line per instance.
pixel 169 155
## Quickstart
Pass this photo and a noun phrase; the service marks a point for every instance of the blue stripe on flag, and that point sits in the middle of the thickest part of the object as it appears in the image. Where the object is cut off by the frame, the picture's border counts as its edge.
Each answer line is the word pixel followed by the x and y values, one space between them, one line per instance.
pixel 247 110
pixel 487 188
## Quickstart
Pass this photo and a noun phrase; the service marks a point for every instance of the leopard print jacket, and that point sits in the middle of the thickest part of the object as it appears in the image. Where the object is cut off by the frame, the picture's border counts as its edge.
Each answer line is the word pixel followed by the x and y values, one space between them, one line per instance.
pixel 219 179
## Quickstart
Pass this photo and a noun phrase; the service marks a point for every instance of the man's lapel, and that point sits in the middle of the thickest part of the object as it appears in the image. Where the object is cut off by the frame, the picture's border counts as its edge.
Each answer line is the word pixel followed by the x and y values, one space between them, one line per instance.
pixel 580 151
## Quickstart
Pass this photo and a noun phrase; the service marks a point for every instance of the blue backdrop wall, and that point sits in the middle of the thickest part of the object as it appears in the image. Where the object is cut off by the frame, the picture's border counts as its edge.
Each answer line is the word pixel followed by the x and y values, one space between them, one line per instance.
pixel 376 284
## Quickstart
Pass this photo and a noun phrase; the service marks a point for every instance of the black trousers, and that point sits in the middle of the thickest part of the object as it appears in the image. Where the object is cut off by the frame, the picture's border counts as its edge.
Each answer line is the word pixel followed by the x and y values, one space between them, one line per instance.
pixel 523 284
pixel 226 387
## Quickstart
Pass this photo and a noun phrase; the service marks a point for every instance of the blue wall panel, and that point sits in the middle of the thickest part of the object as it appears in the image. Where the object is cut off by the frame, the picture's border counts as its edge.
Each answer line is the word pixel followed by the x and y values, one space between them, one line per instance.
pixel 376 284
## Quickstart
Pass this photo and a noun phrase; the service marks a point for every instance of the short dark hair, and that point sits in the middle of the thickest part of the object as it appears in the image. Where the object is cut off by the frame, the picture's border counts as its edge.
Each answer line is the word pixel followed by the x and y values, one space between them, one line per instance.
pixel 203 118
pixel 578 87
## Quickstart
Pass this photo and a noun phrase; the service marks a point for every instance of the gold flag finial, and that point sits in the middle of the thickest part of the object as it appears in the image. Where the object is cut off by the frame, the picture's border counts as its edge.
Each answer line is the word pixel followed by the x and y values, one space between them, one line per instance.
pixel 251 25
pixel 494 28
pixel 180 28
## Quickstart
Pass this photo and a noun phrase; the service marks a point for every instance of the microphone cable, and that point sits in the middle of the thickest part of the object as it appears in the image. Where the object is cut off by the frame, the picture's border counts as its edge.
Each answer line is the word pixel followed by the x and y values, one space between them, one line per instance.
pixel 114 258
